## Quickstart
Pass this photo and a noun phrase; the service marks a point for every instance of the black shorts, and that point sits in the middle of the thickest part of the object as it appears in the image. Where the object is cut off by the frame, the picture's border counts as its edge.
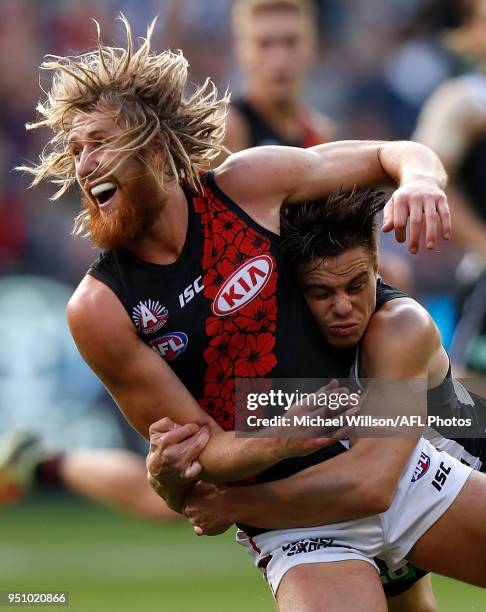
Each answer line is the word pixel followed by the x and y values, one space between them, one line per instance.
pixel 399 581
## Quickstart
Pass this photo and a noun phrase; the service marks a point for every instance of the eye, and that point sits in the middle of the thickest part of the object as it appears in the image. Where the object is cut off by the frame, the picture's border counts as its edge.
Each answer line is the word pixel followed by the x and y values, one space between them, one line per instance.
pixel 76 153
pixel 291 42
pixel 318 295
pixel 265 44
pixel 357 288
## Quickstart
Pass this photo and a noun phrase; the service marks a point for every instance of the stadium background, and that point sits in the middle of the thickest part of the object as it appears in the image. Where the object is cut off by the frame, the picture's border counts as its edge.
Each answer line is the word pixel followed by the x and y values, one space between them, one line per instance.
pixel 378 62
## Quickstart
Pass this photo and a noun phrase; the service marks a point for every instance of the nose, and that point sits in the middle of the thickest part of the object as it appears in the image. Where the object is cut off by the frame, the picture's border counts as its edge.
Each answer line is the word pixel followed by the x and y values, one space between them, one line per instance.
pixel 342 306
pixel 86 164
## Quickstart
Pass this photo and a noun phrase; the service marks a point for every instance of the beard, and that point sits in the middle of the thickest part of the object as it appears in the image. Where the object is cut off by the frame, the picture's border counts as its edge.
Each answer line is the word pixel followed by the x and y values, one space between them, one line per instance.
pixel 124 225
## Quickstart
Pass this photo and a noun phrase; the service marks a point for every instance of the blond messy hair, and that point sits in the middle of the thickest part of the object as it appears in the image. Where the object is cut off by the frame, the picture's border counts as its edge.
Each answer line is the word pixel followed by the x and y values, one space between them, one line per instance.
pixel 145 92
pixel 245 10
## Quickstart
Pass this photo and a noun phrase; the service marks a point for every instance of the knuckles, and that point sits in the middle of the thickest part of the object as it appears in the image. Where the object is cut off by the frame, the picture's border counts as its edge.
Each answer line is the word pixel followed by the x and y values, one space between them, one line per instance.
pixel 163 425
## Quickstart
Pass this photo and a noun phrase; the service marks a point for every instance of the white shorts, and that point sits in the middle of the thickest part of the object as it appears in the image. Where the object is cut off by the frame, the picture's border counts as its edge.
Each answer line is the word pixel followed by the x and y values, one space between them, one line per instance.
pixel 429 484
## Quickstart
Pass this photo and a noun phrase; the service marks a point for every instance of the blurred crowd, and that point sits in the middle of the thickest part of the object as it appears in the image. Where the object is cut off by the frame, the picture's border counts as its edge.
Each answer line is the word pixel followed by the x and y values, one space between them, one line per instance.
pixel 379 60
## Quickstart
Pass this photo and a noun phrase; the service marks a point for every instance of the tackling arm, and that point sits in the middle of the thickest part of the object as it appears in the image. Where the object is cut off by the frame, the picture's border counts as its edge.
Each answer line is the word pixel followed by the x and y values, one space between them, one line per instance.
pixel 356 483
pixel 282 176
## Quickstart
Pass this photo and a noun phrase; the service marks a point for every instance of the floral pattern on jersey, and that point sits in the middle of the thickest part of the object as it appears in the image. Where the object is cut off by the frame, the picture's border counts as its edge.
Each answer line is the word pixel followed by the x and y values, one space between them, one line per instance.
pixel 241 344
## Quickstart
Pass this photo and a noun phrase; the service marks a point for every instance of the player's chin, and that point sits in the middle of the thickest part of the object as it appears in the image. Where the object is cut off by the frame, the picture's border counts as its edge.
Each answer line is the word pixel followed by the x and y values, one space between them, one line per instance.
pixel 343 342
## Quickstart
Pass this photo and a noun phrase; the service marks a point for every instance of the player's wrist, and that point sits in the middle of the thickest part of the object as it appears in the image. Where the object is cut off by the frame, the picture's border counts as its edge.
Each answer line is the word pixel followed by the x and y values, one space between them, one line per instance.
pixel 238 504
pixel 230 503
pixel 422 178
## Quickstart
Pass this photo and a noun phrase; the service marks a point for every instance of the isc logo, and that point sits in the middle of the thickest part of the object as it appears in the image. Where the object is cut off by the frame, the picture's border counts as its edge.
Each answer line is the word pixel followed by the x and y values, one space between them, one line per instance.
pixel 170 346
pixel 189 292
pixel 243 285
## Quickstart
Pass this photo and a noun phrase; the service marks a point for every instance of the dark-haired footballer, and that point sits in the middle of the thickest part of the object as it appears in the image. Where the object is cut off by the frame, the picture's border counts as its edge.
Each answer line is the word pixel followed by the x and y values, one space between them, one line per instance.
pixel 392 338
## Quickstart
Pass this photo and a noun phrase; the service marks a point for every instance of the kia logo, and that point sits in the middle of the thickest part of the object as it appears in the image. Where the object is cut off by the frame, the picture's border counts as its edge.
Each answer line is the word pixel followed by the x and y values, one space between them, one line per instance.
pixel 243 285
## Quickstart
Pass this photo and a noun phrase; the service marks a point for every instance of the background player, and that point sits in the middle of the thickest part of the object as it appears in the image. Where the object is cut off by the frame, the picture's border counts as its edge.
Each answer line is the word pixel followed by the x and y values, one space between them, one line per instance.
pixel 115 477
pixel 276 46
pixel 275 43
pixel 453 123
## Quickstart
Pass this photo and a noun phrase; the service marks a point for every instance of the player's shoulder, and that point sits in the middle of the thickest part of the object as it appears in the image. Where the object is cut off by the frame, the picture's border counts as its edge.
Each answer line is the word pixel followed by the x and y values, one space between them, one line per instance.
pixel 94 309
pixel 458 91
pixel 401 339
pixel 402 321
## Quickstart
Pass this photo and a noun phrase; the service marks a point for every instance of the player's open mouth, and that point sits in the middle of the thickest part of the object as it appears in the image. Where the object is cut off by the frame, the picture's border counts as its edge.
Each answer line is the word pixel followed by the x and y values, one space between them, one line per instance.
pixel 104 194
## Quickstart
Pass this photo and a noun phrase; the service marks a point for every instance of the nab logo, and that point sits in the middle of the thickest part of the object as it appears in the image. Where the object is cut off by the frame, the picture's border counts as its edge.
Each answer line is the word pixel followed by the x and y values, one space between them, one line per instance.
pixel 243 285
pixel 150 316
pixel 422 467
pixel 170 346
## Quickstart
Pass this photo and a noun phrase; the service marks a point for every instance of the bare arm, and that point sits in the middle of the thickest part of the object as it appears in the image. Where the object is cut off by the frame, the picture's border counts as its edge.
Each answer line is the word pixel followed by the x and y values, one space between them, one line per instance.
pixel 359 482
pixel 282 176
pixel 349 486
pixel 449 122
pixel 147 390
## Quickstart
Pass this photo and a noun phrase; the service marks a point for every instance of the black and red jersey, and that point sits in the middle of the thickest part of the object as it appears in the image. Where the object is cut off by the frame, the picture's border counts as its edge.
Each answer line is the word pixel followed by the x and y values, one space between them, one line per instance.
pixel 261 133
pixel 224 309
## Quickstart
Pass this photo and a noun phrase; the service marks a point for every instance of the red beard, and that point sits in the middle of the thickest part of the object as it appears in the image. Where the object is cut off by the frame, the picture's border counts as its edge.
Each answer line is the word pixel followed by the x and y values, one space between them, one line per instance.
pixel 122 226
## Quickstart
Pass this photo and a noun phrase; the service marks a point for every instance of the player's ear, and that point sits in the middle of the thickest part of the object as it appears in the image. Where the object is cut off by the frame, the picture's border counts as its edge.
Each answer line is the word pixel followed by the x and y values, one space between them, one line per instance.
pixel 375 263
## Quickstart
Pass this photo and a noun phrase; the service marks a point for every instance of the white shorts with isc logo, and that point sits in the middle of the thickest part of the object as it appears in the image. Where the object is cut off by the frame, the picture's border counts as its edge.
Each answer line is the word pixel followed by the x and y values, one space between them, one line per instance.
pixel 429 484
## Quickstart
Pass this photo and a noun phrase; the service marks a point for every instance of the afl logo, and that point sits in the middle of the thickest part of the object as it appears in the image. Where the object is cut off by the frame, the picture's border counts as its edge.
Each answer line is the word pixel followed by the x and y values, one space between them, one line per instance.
pixel 422 467
pixel 170 346
pixel 243 285
pixel 149 316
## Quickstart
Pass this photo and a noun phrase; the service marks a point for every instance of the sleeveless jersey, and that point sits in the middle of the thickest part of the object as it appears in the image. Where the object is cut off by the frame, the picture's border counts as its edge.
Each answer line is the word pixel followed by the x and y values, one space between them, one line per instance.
pixel 448 400
pixel 260 133
pixel 226 308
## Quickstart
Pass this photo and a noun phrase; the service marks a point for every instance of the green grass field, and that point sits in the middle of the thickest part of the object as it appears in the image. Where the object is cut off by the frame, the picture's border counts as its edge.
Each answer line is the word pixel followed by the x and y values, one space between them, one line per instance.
pixel 112 563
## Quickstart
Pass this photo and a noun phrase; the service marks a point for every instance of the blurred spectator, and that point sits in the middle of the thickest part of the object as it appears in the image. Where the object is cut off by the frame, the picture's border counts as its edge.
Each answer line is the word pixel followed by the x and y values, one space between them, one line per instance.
pixel 453 123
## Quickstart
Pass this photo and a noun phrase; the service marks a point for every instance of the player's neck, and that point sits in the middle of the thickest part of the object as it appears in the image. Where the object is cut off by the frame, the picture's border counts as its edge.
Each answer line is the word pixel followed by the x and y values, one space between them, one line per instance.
pixel 281 110
pixel 163 242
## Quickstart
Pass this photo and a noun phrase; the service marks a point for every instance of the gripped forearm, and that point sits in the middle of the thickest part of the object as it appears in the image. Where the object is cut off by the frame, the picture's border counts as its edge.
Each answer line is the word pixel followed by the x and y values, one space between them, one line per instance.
pixel 227 458
pixel 406 161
